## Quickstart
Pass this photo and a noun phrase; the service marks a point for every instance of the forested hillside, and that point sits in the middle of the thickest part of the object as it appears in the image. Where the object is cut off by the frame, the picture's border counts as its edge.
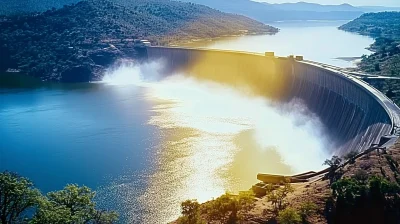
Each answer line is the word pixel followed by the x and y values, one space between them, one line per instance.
pixel 385 28
pixel 384 24
pixel 9 7
pixel 74 43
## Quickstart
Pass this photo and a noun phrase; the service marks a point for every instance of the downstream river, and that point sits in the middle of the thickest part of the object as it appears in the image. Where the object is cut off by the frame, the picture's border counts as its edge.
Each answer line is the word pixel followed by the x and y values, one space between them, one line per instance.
pixel 145 143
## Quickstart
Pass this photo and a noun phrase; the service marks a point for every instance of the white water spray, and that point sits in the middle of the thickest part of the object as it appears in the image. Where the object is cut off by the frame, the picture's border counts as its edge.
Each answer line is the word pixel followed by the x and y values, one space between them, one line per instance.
pixel 216 138
pixel 221 110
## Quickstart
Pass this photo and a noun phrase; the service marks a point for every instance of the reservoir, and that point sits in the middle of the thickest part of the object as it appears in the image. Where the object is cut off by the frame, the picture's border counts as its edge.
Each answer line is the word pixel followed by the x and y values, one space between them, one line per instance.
pixel 146 142
pixel 320 41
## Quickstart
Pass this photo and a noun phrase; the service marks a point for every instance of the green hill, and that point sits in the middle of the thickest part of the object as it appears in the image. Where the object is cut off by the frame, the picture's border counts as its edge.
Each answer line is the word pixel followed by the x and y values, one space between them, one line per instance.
pixel 385 28
pixel 9 7
pixel 383 24
pixel 73 43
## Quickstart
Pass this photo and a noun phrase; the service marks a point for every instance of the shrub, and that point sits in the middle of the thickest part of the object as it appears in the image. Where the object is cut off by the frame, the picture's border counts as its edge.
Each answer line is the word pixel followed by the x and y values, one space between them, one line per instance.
pixel 347 191
pixel 377 67
pixel 246 200
pixel 73 203
pixel 373 201
pixel 361 175
pixel 351 156
pixel 306 210
pixel 191 212
pixel 228 208
pixel 221 209
pixel 277 197
pixel 288 216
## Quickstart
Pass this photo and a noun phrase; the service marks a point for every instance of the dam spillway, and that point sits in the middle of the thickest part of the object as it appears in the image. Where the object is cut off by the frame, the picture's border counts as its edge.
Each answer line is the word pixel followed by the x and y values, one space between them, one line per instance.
pixel 355 115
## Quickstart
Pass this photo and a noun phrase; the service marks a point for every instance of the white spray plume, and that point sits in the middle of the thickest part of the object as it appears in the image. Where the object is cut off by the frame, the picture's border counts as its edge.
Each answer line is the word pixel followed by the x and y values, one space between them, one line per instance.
pixel 131 73
pixel 220 110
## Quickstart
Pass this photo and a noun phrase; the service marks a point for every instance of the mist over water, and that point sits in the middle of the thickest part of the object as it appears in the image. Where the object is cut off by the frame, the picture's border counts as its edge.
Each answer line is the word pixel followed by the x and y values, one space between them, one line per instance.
pixel 130 73
pixel 215 139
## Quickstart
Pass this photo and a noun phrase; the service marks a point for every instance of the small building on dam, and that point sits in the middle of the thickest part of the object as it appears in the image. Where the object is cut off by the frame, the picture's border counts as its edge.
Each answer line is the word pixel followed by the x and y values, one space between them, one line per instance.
pixel 356 116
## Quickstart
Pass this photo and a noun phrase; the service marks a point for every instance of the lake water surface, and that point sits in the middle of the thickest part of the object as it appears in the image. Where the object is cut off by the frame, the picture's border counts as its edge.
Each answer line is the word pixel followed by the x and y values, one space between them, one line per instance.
pixel 147 145
pixel 319 41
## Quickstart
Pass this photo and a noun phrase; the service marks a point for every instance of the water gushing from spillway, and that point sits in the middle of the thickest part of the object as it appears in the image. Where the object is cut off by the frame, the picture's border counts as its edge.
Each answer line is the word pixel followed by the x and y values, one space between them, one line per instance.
pixel 216 138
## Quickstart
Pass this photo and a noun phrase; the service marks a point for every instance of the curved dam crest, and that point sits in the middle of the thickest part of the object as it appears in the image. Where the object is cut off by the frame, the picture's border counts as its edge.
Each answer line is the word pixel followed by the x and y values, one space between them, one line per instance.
pixel 355 115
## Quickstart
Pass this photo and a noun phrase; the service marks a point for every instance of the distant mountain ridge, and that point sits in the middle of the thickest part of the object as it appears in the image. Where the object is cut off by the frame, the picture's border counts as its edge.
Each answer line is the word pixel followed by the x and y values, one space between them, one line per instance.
pixel 305 6
pixel 261 11
pixel 266 12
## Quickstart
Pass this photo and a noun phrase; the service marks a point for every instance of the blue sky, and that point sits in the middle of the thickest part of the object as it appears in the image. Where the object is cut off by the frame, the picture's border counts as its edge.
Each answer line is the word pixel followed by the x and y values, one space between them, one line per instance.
pixel 336 2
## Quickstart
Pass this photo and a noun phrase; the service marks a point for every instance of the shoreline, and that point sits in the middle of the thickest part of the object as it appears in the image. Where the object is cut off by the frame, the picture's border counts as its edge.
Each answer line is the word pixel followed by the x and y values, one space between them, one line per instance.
pixel 185 42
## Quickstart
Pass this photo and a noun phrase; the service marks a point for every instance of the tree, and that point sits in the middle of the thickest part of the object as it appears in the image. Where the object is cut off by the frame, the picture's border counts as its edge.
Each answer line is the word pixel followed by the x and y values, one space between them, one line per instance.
pixel 333 164
pixel 228 208
pixel 375 201
pixel 17 195
pixel 347 191
pixel 390 93
pixel 377 67
pixel 278 197
pixel 288 216
pixel 190 210
pixel 221 209
pixel 246 200
pixel 49 212
pixel 73 204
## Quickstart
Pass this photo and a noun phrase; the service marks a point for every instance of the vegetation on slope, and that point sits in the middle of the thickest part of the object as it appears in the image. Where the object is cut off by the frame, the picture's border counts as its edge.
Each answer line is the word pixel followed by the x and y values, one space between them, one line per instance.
pixel 21 202
pixel 12 7
pixel 359 189
pixel 227 208
pixel 385 28
pixel 76 42
pixel 384 24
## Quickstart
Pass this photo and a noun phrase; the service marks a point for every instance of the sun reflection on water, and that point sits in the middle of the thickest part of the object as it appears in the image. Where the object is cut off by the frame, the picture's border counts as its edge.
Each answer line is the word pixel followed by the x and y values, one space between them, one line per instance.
pixel 217 138
pixel 222 138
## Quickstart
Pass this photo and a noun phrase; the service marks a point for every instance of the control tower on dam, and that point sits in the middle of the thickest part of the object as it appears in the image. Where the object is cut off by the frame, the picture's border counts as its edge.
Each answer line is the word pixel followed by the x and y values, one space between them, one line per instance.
pixel 355 115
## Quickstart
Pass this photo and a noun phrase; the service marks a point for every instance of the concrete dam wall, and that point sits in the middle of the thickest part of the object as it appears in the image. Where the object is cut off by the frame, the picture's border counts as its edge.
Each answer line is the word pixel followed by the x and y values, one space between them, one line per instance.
pixel 354 114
